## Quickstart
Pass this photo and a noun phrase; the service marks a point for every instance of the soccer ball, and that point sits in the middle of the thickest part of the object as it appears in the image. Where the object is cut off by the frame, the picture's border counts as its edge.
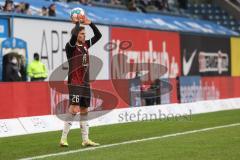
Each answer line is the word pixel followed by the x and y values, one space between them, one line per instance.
pixel 77 15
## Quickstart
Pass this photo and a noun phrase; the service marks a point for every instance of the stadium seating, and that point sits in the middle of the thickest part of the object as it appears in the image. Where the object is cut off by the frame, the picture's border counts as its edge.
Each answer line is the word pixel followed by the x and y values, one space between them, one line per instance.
pixel 205 11
pixel 214 13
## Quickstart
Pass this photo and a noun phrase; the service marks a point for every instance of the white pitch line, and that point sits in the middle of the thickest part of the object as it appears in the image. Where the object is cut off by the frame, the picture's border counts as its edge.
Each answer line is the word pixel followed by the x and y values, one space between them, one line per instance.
pixel 132 141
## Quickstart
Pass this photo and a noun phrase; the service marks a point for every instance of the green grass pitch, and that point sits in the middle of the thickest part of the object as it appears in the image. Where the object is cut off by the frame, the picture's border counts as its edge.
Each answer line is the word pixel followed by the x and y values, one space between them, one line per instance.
pixel 217 144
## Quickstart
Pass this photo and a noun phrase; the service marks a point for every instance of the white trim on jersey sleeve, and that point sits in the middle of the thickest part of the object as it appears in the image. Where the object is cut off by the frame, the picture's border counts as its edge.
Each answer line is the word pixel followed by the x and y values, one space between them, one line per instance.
pixel 71 45
pixel 90 42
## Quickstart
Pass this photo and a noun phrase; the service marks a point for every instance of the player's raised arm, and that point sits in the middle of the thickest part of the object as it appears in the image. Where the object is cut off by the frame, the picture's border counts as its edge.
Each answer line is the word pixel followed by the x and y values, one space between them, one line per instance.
pixel 96 32
pixel 77 17
pixel 74 34
pixel 72 42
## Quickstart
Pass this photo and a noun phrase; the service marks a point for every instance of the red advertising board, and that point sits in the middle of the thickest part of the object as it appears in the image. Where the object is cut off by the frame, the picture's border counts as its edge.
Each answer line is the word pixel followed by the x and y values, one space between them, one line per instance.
pixel 174 92
pixel 220 87
pixel 113 93
pixel 144 46
pixel 20 99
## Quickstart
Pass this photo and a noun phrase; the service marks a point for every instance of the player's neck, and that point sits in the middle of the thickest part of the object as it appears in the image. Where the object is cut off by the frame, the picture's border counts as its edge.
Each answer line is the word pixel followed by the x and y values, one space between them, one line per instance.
pixel 79 43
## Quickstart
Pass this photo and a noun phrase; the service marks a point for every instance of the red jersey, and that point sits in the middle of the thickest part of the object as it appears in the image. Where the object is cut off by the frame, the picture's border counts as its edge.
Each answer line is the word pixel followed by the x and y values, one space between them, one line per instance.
pixel 78 57
pixel 79 65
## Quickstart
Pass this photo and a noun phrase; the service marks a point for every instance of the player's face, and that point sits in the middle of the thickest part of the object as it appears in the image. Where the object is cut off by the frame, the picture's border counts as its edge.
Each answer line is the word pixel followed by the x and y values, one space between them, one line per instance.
pixel 81 36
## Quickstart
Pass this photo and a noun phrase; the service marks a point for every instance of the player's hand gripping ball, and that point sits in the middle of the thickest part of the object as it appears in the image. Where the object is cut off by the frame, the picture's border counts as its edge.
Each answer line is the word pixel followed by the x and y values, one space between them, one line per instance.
pixel 77 15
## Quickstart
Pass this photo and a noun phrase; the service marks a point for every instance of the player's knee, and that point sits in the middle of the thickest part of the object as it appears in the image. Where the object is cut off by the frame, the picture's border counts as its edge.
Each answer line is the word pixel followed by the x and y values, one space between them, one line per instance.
pixel 83 110
pixel 74 109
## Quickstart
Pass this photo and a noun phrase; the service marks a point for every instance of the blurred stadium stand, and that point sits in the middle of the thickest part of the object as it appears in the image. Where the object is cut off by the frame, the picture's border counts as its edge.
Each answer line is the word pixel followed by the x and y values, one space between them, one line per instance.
pixel 174 16
pixel 224 12
pixel 194 9
pixel 213 12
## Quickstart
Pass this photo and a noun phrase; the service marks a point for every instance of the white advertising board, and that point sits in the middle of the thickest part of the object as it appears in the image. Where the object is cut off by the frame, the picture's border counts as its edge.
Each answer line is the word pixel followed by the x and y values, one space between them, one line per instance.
pixel 11 127
pixel 48 38
pixel 36 124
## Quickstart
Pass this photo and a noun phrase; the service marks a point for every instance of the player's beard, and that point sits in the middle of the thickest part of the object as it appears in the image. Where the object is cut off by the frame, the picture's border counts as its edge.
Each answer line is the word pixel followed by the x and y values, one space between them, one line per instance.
pixel 79 42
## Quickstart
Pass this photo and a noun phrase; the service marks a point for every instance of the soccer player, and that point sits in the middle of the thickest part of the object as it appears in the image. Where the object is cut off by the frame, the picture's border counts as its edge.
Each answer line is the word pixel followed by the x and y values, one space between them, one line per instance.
pixel 78 80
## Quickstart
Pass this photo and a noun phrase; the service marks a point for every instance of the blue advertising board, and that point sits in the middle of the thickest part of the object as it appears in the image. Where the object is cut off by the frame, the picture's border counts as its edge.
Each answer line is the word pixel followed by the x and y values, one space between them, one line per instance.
pixel 4 30
pixel 190 89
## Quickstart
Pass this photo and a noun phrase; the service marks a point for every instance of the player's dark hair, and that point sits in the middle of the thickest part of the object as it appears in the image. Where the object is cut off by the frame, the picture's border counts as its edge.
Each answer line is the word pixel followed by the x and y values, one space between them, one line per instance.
pixel 76 30
pixel 81 28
